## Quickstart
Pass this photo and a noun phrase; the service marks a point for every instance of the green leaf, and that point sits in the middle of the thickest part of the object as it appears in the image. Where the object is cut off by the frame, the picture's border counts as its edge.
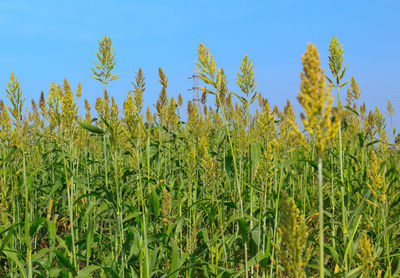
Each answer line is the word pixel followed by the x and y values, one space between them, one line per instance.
pixel 315 166
pixel 229 164
pixel 91 128
pixel 356 272
pixel 51 227
pixel 244 229
pixel 111 271
pixel 174 272
pixel 360 139
pixel 352 233
pixel 352 110
pixel 10 153
pixel 65 262
pixel 13 256
pixel 372 143
pixel 230 205
pixel 88 271
pixel 40 257
pixel 35 225
pixel 89 240
pixel 154 203
pixel 212 212
pixel 255 155
pixel 6 239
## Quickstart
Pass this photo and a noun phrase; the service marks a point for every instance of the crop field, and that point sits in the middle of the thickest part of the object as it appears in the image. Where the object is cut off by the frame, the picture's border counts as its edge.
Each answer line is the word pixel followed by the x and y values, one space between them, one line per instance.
pixel 225 186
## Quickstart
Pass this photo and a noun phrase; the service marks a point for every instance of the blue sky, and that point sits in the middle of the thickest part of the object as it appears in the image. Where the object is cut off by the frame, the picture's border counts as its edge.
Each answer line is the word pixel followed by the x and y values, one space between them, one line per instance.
pixel 45 41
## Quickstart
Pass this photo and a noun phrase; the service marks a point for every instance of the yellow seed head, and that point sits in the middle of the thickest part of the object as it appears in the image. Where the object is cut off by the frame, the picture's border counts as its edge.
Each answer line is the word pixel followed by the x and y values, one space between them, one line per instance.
pixel 69 110
pixel 336 61
pixel 317 101
pixel 162 101
pixel 149 117
pixel 79 90
pixel 367 257
pixel 139 89
pixel 377 179
pixel 166 206
pixel 180 100
pixel 390 109
pixel 353 93
pixel 105 63
pixel 293 252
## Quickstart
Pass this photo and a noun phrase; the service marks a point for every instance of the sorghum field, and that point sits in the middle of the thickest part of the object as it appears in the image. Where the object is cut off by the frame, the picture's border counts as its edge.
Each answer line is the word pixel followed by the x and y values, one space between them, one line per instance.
pixel 234 188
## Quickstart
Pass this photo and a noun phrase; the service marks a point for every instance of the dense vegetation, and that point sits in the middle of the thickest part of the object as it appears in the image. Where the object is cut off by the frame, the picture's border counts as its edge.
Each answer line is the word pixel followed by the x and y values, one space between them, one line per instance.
pixel 228 193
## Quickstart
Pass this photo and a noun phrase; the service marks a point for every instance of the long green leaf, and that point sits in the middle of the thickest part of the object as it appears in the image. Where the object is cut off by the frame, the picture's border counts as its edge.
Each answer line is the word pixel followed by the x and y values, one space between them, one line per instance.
pixel 91 128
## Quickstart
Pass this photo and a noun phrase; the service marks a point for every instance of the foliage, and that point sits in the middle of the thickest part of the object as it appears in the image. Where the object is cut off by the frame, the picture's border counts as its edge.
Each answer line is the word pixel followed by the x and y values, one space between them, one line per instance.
pixel 228 193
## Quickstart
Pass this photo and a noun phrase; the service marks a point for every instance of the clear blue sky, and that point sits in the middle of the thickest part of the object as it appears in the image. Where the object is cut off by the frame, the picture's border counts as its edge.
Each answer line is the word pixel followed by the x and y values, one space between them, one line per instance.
pixel 45 41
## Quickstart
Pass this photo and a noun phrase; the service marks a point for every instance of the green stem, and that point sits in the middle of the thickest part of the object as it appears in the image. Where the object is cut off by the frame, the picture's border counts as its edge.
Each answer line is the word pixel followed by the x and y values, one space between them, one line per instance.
pixel 321 218
pixel 389 264
pixel 27 237
pixel 236 175
pixel 342 188
pixel 340 138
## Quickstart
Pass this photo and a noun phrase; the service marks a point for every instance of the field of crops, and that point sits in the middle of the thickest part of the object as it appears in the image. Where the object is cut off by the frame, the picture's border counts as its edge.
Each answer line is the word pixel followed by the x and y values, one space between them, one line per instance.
pixel 206 189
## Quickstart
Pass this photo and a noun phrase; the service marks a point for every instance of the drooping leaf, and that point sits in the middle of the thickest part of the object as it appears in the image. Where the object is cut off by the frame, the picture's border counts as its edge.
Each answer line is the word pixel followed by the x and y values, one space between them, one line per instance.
pixel 91 128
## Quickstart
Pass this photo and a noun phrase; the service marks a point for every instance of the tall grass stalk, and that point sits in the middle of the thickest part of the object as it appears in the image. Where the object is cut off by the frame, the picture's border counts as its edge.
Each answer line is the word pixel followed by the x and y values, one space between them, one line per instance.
pixel 321 218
